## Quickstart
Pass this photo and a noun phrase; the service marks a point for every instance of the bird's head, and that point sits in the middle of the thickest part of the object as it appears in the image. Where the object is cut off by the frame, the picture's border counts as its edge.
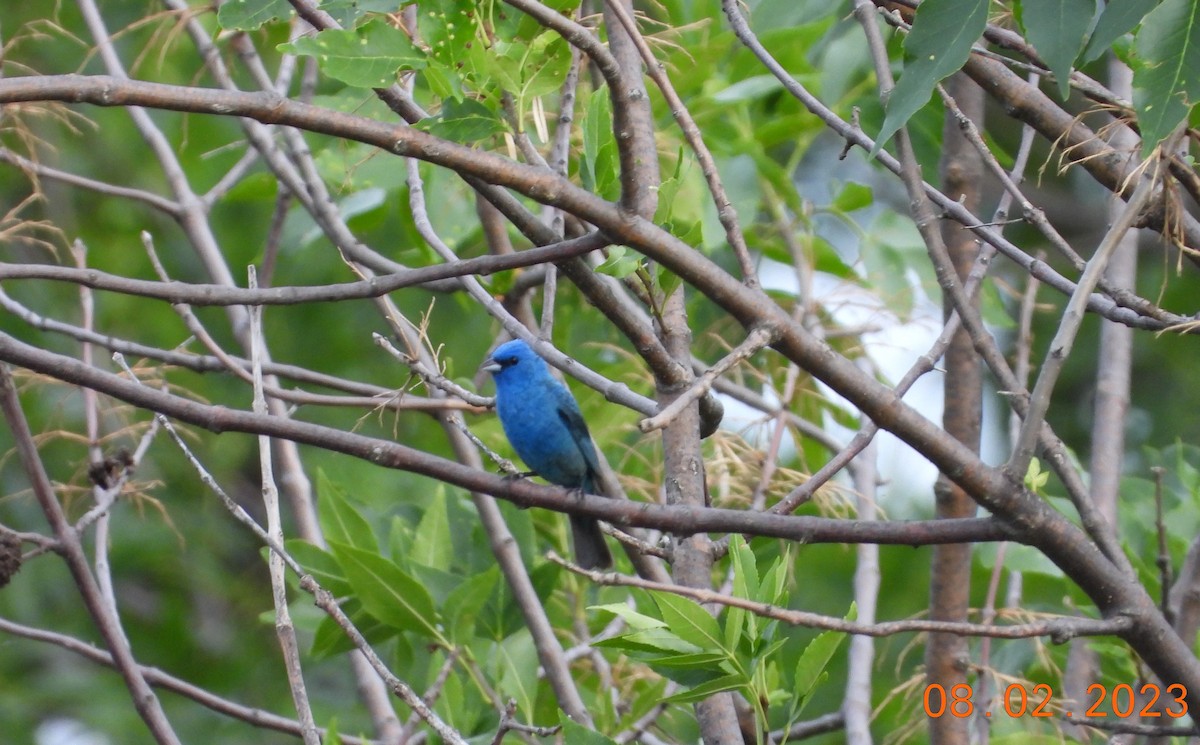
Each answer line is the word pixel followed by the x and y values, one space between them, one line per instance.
pixel 513 359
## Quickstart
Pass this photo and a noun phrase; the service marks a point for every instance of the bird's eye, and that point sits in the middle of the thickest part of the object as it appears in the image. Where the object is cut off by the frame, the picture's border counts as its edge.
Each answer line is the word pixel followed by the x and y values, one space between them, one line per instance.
pixel 507 362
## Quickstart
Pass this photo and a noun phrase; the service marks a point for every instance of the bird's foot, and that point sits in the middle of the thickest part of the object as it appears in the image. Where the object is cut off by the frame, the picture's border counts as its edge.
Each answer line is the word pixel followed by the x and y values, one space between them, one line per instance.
pixel 518 475
pixel 508 476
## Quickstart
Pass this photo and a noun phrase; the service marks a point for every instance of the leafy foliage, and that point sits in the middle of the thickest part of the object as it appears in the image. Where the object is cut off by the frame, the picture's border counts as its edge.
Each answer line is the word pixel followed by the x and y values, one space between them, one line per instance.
pixel 365 57
pixel 1169 46
pixel 943 32
pixel 1057 29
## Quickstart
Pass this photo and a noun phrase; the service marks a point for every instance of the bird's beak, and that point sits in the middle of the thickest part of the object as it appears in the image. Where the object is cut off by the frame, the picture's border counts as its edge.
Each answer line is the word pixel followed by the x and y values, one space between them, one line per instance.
pixel 490 365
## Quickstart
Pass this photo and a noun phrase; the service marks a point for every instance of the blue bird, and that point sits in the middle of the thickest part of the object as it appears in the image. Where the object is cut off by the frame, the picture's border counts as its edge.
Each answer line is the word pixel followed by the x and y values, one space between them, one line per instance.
pixel 543 424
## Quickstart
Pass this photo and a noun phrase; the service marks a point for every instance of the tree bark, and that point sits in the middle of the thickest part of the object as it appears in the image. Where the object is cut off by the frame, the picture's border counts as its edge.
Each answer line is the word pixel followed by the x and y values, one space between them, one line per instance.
pixel 947 656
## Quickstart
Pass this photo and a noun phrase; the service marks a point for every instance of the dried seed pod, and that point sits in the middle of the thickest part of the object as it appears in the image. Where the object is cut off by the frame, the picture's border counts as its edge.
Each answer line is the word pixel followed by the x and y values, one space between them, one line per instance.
pixel 10 555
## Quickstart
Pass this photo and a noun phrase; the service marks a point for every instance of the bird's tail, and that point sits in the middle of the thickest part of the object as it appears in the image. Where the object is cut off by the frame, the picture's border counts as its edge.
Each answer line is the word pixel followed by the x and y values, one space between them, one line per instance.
pixel 591 552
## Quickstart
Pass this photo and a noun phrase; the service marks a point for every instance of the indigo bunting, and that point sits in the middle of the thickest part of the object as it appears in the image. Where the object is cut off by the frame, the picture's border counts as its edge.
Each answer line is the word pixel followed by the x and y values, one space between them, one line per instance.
pixel 542 422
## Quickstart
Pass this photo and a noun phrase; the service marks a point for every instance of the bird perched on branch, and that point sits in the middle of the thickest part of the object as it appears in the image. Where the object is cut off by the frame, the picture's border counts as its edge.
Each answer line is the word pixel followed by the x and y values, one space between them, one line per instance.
pixel 544 425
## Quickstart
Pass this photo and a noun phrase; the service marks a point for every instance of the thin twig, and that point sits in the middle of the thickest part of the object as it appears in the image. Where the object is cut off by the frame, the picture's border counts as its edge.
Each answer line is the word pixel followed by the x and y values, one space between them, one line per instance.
pixel 508 723
pixel 759 337
pixel 503 545
pixel 160 679
pixel 431 694
pixel 105 496
pixel 431 378
pixel 326 602
pixel 949 206
pixel 392 454
pixel 985 344
pixel 323 599
pixel 867 431
pixel 726 212
pixel 107 622
pixel 1072 318
pixel 857 704
pixel 1037 216
pixel 1058 628
pixel 40 170
pixel 284 628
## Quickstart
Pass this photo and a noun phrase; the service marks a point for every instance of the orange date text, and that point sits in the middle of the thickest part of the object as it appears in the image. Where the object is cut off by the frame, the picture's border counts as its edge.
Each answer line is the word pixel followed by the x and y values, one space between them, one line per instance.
pixel 1120 702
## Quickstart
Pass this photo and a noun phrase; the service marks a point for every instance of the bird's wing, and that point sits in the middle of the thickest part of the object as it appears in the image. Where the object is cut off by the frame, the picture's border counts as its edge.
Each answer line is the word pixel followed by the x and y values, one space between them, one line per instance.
pixel 568 412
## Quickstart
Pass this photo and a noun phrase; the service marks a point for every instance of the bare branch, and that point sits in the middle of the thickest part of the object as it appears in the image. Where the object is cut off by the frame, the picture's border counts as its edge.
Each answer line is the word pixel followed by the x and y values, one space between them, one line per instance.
pixel 525 493
pixel 757 339
pixel 159 679
pixel 1058 628
pixel 1064 338
pixel 284 628
pixel 105 618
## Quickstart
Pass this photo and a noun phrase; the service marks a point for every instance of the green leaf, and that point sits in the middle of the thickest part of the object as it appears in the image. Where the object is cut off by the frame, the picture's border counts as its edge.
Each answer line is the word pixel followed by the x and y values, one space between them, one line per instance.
pixel 465 121
pixel 938 45
pixel 366 57
pixel 598 166
pixel 339 520
pixel 621 262
pixel 502 614
pixel 812 663
pixel 443 80
pixel 1057 28
pixel 668 280
pixel 1118 18
pixel 465 603
pixel 349 12
pixel 432 544
pixel 1169 83
pixel 387 592
pixel 399 540
pixel 437 583
pixel 690 660
pixel 1035 477
pixel 731 682
pixel 652 641
pixel 255 187
pixel 449 30
pixel 668 193
pixel 320 564
pixel 853 197
pixel 544 64
pixel 331 733
pixel 745 585
pixel 995 312
pixel 782 13
pixel 750 89
pixel 579 735
pixel 891 251
pixel 330 639
pixel 644 697
pixel 1018 558
pixel 249 15
pixel 773 589
pixel 745 567
pixel 743 185
pixel 692 670
pixel 689 621
pixel 635 620
pixel 518 662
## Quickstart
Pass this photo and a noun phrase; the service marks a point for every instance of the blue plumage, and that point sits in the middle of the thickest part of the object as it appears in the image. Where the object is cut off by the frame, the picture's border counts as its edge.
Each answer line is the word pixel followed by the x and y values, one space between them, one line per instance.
pixel 544 425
